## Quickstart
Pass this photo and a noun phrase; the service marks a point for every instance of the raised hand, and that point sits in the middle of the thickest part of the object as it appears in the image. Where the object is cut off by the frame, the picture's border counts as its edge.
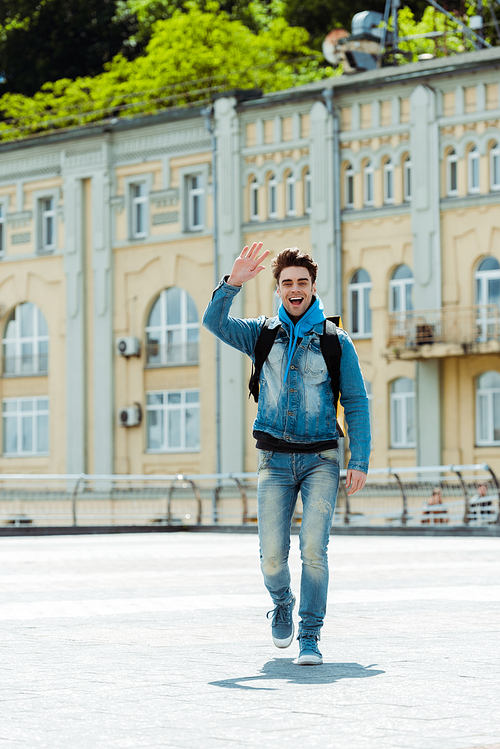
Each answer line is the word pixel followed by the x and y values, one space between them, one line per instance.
pixel 247 265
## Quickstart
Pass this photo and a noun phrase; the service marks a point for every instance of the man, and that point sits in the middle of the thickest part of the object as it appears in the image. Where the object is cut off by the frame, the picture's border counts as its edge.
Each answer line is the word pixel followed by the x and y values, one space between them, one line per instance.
pixel 481 508
pixel 296 433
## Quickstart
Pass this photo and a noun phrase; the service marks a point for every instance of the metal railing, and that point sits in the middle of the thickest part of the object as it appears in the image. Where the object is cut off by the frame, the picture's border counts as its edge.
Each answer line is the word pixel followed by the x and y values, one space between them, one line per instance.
pixel 462 326
pixel 391 497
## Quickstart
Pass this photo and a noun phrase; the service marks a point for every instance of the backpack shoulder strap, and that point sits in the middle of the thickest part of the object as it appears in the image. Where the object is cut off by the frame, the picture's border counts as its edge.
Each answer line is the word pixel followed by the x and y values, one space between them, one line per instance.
pixel 332 353
pixel 262 348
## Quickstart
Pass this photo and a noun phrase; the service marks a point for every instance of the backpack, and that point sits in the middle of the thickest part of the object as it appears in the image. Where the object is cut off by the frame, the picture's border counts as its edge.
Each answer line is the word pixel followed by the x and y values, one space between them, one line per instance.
pixel 330 348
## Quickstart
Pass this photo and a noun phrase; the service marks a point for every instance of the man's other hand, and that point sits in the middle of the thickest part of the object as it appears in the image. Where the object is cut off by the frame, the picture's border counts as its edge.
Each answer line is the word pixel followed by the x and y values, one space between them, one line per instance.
pixel 247 265
pixel 356 480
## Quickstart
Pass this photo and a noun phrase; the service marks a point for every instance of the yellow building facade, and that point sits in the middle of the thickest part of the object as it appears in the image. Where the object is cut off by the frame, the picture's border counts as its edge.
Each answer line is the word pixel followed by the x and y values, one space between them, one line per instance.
pixel 112 236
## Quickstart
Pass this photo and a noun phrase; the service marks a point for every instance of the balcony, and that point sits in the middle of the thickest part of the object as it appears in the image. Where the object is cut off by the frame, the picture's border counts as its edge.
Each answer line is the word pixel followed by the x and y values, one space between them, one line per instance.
pixel 448 331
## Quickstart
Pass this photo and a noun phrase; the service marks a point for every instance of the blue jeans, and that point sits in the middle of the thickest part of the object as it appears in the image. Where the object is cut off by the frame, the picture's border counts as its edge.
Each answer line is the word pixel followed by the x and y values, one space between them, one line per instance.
pixel 281 477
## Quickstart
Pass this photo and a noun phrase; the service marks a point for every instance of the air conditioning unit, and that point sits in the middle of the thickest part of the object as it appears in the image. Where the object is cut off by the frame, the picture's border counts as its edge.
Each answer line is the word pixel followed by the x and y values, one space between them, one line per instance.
pixel 128 346
pixel 130 417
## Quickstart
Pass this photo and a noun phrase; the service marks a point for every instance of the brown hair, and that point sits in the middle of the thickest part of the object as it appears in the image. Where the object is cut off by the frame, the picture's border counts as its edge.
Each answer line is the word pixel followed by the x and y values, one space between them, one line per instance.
pixel 293 256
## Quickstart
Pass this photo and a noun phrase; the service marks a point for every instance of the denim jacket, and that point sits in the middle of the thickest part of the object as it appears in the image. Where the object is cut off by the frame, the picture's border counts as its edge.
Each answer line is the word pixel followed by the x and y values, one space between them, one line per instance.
pixel 300 410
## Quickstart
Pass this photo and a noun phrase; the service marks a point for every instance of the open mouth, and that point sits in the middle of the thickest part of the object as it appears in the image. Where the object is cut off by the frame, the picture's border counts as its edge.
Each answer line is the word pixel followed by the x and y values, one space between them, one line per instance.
pixel 295 301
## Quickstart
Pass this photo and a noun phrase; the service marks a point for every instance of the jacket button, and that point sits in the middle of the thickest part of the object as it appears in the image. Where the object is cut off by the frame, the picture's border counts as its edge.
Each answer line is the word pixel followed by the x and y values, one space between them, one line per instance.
pixel 293 366
pixel 290 413
pixel 292 390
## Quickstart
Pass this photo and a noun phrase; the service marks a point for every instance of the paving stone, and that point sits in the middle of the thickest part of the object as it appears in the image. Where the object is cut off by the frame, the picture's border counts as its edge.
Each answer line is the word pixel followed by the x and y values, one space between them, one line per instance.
pixel 146 641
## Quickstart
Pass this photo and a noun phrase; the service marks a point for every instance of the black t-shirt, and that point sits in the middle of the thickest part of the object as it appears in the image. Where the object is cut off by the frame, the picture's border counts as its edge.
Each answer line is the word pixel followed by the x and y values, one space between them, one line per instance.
pixel 267 442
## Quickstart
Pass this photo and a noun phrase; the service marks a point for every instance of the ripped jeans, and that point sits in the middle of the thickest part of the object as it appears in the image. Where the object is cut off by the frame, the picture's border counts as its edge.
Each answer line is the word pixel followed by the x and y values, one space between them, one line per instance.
pixel 281 477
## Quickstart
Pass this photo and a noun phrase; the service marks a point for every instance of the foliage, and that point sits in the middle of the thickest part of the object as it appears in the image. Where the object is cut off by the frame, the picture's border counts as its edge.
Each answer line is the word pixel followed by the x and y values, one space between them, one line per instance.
pixel 190 56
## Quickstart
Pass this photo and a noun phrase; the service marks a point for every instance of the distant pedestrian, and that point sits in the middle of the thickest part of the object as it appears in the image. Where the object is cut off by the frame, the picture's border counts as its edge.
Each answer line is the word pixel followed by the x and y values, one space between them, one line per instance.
pixel 481 505
pixel 434 511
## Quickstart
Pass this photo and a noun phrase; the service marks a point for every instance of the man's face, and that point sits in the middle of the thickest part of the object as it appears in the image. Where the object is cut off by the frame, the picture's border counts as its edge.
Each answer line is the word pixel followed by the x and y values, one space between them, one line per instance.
pixel 482 490
pixel 296 289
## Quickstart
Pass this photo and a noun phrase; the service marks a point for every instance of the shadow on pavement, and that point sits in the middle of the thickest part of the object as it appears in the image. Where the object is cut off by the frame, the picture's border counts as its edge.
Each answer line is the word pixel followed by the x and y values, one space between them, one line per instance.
pixel 285 669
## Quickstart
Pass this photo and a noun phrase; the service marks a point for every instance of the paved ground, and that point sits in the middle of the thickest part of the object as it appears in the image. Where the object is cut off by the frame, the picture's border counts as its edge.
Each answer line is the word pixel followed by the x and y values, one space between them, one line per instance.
pixel 149 641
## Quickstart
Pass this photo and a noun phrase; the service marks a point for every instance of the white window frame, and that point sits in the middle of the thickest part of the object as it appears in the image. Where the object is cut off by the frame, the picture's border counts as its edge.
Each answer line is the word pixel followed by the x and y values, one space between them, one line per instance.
pixel 290 195
pixel 401 403
pixel 349 186
pixel 254 200
pixel 272 197
pixel 167 409
pixel 400 284
pixel 195 195
pixel 41 215
pixel 482 279
pixel 388 176
pixel 138 205
pixel 132 181
pixel 368 184
pixel 473 171
pixel 362 289
pixel 495 166
pixel 452 171
pixel 21 416
pixel 307 192
pixel 489 395
pixel 19 342
pixel 165 329
pixel 185 174
pixel 407 179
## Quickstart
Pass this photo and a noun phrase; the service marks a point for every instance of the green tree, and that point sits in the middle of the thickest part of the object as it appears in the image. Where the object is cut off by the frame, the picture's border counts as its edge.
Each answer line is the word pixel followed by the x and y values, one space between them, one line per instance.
pixel 44 40
pixel 189 57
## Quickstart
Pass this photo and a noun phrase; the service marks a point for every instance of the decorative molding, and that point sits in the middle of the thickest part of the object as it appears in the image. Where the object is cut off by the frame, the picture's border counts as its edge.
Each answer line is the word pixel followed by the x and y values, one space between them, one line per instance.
pixel 166 218
pixel 20 219
pixel 164 198
pixel 22 238
pixel 117 202
pixel 87 156
pixel 134 149
pixel 34 166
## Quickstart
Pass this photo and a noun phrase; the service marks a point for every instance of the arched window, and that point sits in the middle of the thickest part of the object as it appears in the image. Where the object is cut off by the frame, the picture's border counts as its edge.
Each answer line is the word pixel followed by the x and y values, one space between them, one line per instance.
pixel 359 303
pixel 368 183
pixel 401 290
pixel 290 194
pixel 272 197
pixel 451 174
pixel 388 171
pixel 403 413
pixel 495 166
pixel 307 192
pixel 487 279
pixel 349 186
pixel 172 332
pixel 26 342
pixel 407 179
pixel 488 409
pixel 254 200
pixel 473 170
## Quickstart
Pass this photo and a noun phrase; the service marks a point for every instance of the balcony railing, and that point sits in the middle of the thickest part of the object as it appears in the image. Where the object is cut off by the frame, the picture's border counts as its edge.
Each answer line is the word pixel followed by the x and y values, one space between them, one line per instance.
pixel 26 364
pixel 171 355
pixel 464 328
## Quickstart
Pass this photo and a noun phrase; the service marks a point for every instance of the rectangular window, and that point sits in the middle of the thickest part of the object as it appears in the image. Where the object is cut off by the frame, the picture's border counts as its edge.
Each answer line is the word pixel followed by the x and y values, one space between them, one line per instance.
pixel 254 200
pixel 195 200
pixel 139 205
pixel 307 193
pixel 407 181
pixel 25 426
pixel 47 217
pixel 173 421
pixel 495 168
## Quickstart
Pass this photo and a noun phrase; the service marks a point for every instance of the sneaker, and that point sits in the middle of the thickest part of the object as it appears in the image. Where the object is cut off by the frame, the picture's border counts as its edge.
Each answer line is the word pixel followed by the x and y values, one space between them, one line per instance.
pixel 282 625
pixel 309 652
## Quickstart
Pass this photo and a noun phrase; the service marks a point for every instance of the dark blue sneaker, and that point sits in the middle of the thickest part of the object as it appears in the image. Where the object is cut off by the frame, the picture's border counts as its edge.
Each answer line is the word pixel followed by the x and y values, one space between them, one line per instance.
pixel 309 652
pixel 282 625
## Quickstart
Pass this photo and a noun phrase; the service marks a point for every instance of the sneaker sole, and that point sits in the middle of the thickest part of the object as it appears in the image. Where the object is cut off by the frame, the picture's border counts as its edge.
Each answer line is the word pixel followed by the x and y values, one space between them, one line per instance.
pixel 285 643
pixel 309 660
